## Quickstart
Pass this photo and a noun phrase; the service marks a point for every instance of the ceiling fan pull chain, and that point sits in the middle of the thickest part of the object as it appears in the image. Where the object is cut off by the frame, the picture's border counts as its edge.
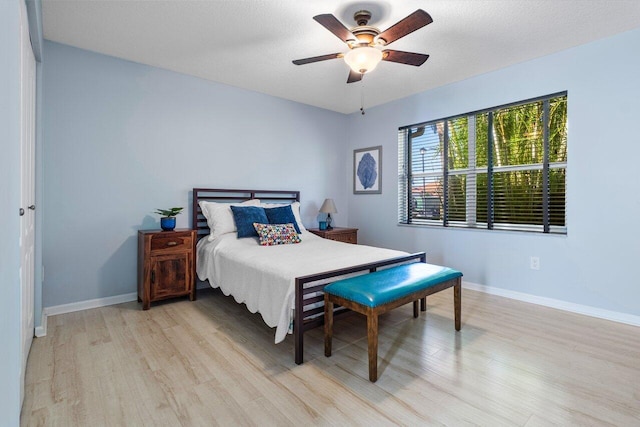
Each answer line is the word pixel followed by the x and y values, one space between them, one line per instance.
pixel 362 95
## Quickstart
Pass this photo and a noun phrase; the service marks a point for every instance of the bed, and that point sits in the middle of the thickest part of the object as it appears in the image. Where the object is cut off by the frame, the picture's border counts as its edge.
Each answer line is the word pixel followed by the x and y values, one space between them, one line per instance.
pixel 284 282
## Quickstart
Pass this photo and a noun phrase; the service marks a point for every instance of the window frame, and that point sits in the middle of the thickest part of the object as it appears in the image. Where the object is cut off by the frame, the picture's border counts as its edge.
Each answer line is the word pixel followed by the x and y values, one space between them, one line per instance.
pixel 407 174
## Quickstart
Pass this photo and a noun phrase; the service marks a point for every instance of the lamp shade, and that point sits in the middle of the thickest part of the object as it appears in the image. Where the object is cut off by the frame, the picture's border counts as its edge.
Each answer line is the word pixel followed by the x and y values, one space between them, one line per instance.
pixel 328 206
pixel 363 59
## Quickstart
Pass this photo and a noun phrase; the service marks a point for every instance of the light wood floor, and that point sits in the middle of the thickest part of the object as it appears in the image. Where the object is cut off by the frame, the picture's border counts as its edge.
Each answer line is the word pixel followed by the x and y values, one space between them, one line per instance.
pixel 211 362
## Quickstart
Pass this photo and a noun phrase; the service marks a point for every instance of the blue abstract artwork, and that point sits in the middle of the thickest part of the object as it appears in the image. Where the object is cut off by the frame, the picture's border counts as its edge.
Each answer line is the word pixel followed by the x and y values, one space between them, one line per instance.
pixel 367 171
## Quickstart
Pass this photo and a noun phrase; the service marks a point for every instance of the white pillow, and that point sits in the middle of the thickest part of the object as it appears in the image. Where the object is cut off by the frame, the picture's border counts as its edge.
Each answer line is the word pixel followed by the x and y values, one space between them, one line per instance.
pixel 295 207
pixel 220 218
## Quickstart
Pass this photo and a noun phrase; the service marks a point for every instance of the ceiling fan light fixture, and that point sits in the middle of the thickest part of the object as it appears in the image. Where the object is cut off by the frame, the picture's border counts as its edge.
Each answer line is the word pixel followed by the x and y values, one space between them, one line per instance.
pixel 366 43
pixel 363 59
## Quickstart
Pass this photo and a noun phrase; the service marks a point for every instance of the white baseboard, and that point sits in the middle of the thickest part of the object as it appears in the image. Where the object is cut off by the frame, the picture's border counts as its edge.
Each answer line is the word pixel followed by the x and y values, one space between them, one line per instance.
pixel 600 313
pixel 41 331
pixel 92 303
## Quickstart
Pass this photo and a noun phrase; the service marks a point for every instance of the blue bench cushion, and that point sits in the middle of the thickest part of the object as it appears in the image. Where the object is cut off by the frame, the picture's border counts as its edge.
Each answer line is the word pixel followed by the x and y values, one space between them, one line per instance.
pixel 388 285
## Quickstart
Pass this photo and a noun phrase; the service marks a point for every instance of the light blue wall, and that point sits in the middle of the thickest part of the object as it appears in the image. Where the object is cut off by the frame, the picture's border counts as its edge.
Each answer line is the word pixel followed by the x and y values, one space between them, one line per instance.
pixel 122 139
pixel 595 264
pixel 10 203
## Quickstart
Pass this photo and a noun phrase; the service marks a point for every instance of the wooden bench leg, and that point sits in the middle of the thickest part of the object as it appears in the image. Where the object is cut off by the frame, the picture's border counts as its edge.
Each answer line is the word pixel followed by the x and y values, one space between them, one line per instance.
pixel 328 325
pixel 372 338
pixel 423 304
pixel 457 302
pixel 415 308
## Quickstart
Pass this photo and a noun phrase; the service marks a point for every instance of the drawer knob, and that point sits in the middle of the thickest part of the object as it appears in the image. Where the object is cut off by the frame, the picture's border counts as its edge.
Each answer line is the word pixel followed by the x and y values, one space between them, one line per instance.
pixel 172 243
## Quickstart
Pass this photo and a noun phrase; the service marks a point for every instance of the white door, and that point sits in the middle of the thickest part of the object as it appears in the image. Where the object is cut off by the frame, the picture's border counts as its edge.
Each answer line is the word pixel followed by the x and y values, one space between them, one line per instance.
pixel 27 207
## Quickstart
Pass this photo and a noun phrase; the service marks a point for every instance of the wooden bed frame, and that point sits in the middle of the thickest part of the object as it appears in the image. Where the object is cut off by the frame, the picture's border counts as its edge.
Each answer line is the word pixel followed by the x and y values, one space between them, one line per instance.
pixel 306 315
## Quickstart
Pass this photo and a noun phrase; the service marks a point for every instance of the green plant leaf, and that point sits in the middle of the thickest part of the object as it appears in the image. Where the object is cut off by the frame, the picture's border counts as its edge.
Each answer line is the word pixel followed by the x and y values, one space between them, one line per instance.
pixel 169 212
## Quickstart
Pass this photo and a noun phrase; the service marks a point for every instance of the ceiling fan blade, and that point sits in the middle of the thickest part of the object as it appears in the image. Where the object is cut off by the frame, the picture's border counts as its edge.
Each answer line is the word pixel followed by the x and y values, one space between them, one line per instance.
pixel 317 58
pixel 332 24
pixel 408 25
pixel 354 77
pixel 409 58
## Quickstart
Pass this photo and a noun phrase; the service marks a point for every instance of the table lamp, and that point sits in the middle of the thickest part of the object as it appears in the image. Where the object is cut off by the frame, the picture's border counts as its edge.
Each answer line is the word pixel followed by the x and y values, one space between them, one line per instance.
pixel 328 207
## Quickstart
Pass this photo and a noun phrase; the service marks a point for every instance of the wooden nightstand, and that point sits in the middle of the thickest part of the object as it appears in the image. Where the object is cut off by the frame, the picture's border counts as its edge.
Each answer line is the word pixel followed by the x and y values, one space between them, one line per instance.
pixel 165 265
pixel 347 235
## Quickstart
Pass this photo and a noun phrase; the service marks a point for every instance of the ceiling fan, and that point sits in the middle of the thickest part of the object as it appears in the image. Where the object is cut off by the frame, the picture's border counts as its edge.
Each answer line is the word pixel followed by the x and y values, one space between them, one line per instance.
pixel 366 44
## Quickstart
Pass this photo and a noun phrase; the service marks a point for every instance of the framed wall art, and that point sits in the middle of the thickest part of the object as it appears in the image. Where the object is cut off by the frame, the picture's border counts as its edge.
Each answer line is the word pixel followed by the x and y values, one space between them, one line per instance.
pixel 367 170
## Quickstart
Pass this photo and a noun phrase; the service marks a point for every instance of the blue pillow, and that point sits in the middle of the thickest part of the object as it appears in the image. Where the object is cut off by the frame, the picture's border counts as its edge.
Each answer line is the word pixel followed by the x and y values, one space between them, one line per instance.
pixel 245 216
pixel 282 215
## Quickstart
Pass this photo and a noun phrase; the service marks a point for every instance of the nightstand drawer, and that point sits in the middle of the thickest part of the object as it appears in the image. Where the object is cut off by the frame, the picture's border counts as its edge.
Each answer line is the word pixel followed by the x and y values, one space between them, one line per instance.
pixel 172 242
pixel 340 234
pixel 345 237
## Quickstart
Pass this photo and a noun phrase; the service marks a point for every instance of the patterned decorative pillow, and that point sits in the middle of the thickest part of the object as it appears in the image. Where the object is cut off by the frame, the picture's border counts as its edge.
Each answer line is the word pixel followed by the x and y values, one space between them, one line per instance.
pixel 276 234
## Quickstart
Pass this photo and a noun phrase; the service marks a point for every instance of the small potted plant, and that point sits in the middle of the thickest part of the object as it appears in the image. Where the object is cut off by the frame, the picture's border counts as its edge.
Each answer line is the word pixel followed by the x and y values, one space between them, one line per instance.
pixel 168 220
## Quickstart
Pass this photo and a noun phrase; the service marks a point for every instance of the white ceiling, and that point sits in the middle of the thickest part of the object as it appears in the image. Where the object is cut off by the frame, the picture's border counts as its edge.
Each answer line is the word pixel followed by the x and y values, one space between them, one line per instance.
pixel 251 43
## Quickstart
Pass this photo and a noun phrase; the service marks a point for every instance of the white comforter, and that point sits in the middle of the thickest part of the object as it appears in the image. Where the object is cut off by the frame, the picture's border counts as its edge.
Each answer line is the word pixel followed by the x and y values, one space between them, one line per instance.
pixel 263 277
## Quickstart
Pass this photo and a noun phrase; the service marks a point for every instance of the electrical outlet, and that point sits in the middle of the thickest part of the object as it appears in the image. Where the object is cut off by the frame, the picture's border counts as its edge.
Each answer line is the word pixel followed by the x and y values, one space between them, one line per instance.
pixel 534 263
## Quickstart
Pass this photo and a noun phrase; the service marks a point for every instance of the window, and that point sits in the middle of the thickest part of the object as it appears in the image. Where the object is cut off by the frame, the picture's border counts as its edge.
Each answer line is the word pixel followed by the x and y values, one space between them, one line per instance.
pixel 501 168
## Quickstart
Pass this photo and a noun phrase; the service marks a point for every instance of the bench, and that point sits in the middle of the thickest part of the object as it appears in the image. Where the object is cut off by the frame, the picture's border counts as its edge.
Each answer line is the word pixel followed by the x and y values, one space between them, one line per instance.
pixel 379 292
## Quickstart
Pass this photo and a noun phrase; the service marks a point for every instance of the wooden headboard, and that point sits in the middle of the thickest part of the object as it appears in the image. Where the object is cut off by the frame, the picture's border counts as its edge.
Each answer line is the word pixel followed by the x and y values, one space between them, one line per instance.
pixel 199 222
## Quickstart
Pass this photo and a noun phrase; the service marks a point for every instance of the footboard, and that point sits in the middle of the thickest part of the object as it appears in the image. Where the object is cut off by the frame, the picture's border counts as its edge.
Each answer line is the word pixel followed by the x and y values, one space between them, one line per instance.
pixel 309 303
